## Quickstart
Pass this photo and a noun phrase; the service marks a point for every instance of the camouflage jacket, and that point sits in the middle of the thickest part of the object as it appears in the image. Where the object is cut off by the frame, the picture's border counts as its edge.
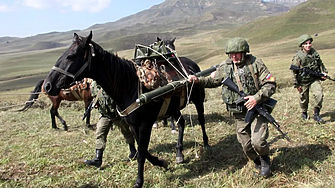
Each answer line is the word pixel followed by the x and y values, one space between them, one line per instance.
pixel 265 88
pixel 309 60
pixel 106 105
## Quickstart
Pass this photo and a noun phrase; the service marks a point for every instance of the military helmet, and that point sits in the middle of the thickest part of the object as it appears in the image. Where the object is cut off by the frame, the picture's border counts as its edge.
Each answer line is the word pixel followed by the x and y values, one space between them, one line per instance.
pixel 303 38
pixel 236 45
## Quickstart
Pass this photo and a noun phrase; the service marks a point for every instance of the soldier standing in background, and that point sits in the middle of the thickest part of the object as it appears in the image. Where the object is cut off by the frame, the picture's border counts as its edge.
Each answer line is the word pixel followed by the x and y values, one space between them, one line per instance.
pixel 109 115
pixel 308 57
pixel 253 78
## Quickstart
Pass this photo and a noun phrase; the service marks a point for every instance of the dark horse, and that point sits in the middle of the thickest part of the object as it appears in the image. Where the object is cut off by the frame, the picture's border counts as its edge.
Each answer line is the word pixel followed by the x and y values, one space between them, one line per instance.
pixel 79 91
pixel 117 76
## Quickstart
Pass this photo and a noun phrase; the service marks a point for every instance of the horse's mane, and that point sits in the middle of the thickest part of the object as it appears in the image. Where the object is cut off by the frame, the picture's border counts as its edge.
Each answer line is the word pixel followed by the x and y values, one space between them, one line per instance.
pixel 120 70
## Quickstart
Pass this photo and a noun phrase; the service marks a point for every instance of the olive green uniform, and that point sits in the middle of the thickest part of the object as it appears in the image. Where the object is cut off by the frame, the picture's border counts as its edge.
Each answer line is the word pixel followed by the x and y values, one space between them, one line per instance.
pixel 252 136
pixel 109 115
pixel 308 82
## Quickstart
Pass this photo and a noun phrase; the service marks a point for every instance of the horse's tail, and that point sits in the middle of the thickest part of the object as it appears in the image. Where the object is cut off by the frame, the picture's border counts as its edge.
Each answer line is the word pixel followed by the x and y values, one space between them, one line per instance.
pixel 33 96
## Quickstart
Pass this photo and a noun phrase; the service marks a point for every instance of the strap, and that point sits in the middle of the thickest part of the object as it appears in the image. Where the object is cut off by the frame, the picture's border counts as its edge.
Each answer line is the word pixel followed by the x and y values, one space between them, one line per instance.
pixel 237 77
pixel 128 110
pixel 256 81
pixel 164 107
pixel 77 94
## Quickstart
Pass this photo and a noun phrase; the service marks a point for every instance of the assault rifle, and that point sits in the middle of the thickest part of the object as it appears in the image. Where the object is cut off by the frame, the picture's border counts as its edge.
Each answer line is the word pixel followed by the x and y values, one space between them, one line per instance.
pixel 305 70
pixel 259 108
pixel 207 72
pixel 92 104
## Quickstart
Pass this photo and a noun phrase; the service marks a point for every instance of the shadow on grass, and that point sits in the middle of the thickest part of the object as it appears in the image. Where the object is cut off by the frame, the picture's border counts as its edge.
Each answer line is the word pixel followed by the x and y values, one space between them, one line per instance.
pixel 331 114
pixel 89 186
pixel 226 154
pixel 293 159
pixel 209 118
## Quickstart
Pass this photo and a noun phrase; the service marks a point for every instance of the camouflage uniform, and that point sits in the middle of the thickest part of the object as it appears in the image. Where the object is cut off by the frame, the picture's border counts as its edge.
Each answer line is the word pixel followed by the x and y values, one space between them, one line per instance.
pixel 252 136
pixel 308 82
pixel 109 115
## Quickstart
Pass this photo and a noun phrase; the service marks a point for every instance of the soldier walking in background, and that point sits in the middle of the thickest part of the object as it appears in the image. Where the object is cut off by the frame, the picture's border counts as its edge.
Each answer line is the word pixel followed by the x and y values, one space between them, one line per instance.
pixel 308 57
pixel 253 78
pixel 109 115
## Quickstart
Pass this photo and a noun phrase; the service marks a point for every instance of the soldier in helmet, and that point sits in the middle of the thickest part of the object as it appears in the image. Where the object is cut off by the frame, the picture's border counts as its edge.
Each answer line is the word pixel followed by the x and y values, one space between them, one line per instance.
pixel 109 115
pixel 252 76
pixel 309 58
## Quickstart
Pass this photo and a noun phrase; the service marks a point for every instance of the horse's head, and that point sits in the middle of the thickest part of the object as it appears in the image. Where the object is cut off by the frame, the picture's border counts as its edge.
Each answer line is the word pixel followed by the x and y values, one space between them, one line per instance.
pixel 168 43
pixel 73 65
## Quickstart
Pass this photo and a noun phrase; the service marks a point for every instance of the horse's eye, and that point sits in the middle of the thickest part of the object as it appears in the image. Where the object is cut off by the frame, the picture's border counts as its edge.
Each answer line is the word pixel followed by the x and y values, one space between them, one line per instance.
pixel 70 56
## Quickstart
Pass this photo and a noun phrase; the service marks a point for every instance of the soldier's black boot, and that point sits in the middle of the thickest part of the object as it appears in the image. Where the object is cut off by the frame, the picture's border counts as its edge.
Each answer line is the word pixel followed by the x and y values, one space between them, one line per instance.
pixel 133 152
pixel 97 161
pixel 317 116
pixel 304 116
pixel 257 162
pixel 265 166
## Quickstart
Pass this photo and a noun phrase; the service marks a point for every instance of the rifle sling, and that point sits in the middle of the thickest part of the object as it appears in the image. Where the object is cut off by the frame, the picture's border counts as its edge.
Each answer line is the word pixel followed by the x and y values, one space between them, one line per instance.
pixel 237 77
pixel 253 75
pixel 97 97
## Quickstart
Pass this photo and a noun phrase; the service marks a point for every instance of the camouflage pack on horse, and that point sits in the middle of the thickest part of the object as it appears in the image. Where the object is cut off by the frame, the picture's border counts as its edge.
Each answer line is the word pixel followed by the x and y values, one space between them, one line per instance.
pixel 157 65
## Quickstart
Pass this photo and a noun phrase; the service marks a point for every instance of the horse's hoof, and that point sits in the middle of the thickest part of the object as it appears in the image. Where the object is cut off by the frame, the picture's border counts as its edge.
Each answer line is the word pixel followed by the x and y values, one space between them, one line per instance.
pixel 179 159
pixel 164 163
pixel 65 128
pixel 207 145
pixel 173 131
pixel 138 185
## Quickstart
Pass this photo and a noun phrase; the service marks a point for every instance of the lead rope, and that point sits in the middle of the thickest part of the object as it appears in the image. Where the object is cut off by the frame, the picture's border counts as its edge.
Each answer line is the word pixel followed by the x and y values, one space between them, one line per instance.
pixel 191 122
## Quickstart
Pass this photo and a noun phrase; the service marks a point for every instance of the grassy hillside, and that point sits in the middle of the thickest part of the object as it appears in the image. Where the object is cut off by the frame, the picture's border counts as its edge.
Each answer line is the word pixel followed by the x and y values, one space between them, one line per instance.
pixel 313 16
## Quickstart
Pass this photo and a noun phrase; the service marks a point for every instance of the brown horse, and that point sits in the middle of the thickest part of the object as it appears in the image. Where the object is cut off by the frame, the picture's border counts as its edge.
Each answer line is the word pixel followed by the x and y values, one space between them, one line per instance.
pixel 79 91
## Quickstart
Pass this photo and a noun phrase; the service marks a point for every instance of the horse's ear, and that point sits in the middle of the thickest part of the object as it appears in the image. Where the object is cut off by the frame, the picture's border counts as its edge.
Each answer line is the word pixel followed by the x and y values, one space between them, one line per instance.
pixel 75 37
pixel 158 39
pixel 89 38
pixel 173 40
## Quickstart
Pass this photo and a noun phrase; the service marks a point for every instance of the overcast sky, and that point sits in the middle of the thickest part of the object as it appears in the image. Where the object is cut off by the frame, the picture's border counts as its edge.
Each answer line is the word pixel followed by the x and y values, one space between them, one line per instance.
pixel 22 18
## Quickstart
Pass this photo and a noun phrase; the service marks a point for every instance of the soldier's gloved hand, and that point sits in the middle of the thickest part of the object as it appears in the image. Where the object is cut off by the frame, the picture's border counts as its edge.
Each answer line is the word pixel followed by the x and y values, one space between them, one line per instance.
pixel 192 78
pixel 299 89
pixel 251 102
pixel 324 77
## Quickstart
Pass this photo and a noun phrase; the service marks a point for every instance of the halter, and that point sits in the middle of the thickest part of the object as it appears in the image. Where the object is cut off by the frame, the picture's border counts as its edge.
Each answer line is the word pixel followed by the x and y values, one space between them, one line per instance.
pixel 87 63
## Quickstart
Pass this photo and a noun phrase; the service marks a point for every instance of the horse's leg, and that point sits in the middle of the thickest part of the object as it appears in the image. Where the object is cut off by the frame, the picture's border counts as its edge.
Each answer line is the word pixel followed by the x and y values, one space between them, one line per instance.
pixel 172 125
pixel 61 120
pixel 201 118
pixel 181 128
pixel 143 134
pixel 55 112
pixel 53 119
pixel 88 118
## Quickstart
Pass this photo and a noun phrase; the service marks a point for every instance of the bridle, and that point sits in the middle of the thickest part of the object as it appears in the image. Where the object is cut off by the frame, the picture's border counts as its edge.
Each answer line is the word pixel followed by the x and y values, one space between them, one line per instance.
pixel 87 63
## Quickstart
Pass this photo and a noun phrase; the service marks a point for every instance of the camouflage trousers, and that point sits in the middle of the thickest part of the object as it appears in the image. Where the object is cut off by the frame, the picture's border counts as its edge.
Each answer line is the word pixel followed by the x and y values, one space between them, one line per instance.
pixel 317 92
pixel 252 136
pixel 104 125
